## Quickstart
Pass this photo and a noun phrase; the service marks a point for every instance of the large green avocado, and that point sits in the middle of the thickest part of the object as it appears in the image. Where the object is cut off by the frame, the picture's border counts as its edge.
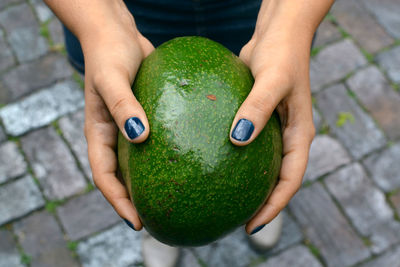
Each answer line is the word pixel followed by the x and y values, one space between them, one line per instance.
pixel 189 184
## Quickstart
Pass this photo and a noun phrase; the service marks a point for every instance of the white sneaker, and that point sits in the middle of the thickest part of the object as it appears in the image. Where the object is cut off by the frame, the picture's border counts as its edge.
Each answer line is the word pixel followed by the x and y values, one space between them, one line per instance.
pixel 157 254
pixel 268 236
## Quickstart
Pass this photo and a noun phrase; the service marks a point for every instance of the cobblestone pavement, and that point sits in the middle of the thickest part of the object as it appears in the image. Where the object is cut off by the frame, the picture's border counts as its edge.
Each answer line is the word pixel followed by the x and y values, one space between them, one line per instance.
pixel 346 213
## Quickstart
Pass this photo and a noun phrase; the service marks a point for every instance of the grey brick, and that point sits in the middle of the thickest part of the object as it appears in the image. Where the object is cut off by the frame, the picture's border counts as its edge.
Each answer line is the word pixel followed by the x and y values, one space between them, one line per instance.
pixel 17 17
pixel 360 135
pixel 188 259
pixel 326 34
pixel 56 31
pixel 9 256
pixel 23 32
pixel 395 199
pixel 317 120
pixel 390 62
pixel 27 43
pixel 298 256
pixel 232 250
pixel 119 246
pixel 86 214
pixel 334 63
pixel 389 258
pixel 42 107
pixel 5 3
pixel 41 9
pixel 12 163
pixel 291 234
pixel 385 168
pixel 53 164
pixel 326 154
pixel 379 98
pixel 365 205
pixel 19 198
pixel 42 239
pixel 356 20
pixel 327 228
pixel 6 56
pixel 34 75
pixel 387 12
pixel 72 128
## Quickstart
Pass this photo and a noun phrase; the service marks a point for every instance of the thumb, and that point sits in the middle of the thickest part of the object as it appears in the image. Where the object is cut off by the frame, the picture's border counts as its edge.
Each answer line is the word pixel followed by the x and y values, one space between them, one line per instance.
pixel 256 110
pixel 127 112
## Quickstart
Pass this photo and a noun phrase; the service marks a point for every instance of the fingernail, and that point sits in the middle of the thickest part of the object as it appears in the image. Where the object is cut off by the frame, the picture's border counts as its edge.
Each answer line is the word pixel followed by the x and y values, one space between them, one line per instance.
pixel 134 127
pixel 258 228
pixel 243 130
pixel 129 224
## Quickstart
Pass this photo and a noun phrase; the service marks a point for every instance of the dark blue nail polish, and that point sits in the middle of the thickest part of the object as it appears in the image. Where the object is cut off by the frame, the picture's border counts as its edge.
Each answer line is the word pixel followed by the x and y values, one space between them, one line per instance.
pixel 129 224
pixel 243 130
pixel 134 127
pixel 258 228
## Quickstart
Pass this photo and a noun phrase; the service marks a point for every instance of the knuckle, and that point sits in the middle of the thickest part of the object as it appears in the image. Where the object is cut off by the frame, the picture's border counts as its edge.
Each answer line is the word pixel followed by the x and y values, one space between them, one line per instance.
pixel 117 106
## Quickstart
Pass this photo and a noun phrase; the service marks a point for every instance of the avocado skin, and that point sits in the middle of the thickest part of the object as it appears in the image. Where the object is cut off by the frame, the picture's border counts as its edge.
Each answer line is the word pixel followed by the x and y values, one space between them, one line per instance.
pixel 189 184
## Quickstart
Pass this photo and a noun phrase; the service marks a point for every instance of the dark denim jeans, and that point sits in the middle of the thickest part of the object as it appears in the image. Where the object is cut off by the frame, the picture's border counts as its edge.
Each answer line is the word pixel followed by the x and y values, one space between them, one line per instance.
pixel 229 22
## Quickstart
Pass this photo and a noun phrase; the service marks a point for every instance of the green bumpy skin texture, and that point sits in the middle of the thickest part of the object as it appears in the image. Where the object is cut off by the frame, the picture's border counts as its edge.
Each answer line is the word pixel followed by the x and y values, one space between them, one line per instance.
pixel 189 184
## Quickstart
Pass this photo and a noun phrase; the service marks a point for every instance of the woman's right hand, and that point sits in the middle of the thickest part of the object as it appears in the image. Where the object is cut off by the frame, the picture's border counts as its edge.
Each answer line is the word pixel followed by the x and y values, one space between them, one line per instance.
pixel 113 53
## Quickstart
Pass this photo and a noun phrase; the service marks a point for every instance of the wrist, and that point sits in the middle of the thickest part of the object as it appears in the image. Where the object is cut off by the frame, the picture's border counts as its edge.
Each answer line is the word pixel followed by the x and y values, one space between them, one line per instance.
pixel 290 21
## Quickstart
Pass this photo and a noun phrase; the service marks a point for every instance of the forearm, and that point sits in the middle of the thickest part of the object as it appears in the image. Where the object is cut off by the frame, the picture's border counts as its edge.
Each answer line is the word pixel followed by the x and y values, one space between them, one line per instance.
pixel 88 18
pixel 291 18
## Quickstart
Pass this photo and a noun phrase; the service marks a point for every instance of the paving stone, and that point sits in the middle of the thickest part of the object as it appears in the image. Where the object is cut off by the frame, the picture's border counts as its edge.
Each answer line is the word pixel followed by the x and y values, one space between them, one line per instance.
pixel 291 234
pixel 119 246
pixel 9 256
pixel 389 258
pixel 41 9
pixel 19 198
pixel 27 43
pixel 41 108
pixel 326 227
pixel 365 205
pixel 34 75
pixel 86 214
pixel 353 127
pixel 379 98
pixel 4 3
pixel 6 56
pixel 326 154
pixel 355 19
pixel 387 13
pixel 23 32
pixel 317 120
pixel 12 163
pixel 17 17
pixel 42 239
pixel 56 31
pixel 53 164
pixel 72 127
pixel 334 63
pixel 395 199
pixel 390 62
pixel 385 168
pixel 298 256
pixel 233 250
pixel 326 34
pixel 188 259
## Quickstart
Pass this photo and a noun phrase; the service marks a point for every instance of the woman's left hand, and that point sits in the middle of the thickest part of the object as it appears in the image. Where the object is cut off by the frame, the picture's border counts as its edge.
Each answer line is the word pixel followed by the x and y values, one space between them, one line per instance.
pixel 280 66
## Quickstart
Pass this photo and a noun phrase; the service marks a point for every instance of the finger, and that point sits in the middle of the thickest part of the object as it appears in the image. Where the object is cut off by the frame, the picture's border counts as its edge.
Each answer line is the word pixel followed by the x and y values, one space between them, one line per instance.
pixel 115 89
pixel 103 162
pixel 256 110
pixel 296 147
